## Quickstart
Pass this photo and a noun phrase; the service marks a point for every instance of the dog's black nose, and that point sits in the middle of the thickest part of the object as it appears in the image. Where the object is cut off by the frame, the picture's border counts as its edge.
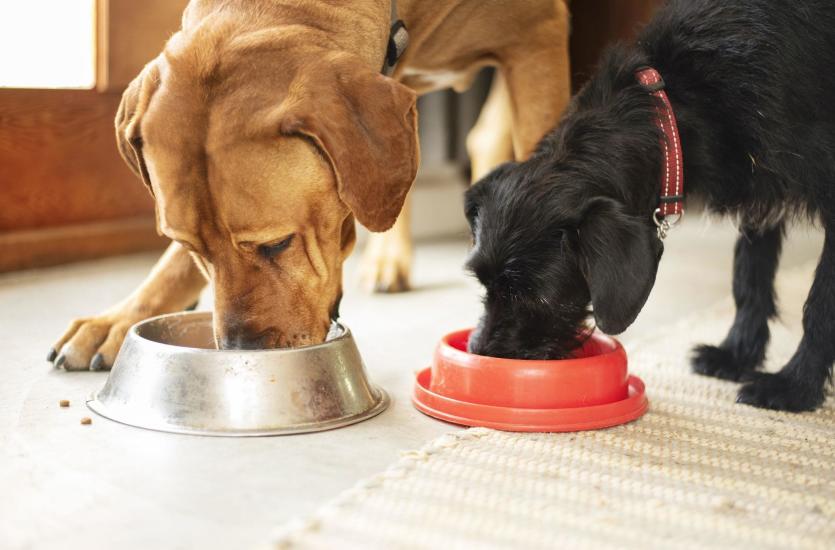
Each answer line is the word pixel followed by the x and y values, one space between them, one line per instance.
pixel 236 335
pixel 238 342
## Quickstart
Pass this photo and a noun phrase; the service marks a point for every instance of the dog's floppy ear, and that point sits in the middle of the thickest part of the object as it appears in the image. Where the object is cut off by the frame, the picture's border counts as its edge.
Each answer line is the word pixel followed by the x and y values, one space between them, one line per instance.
pixel 620 255
pixel 135 101
pixel 366 125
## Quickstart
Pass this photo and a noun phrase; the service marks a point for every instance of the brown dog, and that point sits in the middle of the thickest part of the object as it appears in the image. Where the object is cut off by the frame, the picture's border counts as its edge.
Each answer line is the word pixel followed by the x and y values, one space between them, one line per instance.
pixel 264 129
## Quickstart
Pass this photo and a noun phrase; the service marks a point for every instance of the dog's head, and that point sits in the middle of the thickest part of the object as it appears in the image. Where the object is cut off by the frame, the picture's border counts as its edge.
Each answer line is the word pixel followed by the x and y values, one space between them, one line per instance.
pixel 545 249
pixel 571 227
pixel 259 160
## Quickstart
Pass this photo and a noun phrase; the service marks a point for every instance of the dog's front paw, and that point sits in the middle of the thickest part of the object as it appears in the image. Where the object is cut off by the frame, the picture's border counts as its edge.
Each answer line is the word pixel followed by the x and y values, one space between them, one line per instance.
pixel 386 263
pixel 92 342
pixel 779 392
pixel 719 362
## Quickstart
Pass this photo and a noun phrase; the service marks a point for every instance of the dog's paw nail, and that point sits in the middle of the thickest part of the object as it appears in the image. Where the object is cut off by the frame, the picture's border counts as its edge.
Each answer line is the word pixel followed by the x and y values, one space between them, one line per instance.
pixel 97 363
pixel 60 361
pixel 53 353
pixel 402 283
pixel 777 392
pixel 193 306
pixel 393 287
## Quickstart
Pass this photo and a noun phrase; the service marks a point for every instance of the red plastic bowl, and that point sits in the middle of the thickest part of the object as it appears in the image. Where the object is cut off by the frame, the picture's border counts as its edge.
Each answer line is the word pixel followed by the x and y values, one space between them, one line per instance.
pixel 589 391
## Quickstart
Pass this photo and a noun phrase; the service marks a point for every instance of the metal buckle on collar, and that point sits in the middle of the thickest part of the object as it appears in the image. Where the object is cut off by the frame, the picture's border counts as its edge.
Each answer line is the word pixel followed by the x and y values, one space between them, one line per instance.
pixel 665 223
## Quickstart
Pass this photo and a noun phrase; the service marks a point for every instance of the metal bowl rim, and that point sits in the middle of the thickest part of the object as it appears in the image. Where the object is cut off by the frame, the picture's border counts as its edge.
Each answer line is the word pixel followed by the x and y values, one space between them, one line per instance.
pixel 381 405
pixel 134 332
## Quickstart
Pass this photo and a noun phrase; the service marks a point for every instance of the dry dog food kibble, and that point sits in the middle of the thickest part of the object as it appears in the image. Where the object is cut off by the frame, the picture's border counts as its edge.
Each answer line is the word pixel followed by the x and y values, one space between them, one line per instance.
pixel 86 420
pixel 64 403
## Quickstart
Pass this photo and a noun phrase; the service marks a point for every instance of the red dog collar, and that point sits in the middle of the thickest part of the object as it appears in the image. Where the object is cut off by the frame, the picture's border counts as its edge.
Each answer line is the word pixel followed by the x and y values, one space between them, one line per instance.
pixel 671 194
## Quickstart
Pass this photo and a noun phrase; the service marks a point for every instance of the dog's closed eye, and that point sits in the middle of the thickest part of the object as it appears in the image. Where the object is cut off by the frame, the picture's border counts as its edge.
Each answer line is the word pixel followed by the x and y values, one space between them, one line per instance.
pixel 271 250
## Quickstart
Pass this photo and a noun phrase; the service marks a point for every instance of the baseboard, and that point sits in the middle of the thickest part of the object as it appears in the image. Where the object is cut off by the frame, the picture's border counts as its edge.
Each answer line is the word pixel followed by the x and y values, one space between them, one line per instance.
pixel 58 245
pixel 437 212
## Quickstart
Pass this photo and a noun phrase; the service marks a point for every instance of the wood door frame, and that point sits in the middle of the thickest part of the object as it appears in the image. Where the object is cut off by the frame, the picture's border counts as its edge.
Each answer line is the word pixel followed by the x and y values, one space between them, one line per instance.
pixel 65 193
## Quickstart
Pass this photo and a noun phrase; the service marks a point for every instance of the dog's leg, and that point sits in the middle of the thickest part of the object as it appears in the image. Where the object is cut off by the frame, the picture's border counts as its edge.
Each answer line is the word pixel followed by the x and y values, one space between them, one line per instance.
pixel 387 259
pixel 490 141
pixel 539 82
pixel 539 88
pixel 799 386
pixel 756 257
pixel 91 343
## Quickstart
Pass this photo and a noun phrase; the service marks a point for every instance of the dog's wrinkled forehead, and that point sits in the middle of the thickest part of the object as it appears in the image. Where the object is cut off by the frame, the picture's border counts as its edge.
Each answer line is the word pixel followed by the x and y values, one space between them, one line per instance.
pixel 214 180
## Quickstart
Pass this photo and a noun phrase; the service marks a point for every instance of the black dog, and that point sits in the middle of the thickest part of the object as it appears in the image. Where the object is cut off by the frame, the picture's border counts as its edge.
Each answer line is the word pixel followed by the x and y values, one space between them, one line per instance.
pixel 752 85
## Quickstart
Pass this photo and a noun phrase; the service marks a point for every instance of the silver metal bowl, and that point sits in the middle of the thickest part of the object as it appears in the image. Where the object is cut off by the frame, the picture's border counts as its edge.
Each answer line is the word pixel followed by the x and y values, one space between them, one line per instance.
pixel 168 376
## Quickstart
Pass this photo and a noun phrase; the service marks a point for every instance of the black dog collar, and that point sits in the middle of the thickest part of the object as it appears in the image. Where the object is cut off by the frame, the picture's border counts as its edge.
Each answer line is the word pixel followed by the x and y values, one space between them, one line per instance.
pixel 398 41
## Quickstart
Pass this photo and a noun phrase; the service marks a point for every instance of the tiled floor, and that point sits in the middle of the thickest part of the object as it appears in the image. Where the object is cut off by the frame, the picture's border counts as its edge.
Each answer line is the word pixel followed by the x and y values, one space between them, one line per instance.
pixel 64 485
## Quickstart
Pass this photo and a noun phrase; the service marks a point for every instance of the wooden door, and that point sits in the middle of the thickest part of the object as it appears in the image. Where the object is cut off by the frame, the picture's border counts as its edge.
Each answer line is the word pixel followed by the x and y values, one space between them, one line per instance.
pixel 598 23
pixel 65 193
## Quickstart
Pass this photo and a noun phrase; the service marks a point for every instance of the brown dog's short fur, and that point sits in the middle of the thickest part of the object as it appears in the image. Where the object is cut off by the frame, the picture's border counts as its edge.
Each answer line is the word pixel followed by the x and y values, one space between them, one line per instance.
pixel 267 119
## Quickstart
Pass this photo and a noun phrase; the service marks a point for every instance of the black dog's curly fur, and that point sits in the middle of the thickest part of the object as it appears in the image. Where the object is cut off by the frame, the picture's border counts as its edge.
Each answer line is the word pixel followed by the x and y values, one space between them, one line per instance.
pixel 752 83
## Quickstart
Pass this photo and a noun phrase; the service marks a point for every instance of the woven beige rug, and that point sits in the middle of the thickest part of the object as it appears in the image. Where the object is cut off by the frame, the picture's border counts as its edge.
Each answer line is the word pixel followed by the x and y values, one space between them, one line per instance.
pixel 697 471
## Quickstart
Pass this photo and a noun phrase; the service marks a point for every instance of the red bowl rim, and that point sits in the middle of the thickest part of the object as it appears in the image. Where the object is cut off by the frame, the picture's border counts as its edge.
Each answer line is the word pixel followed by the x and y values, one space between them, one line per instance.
pixel 467 359
pixel 515 419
